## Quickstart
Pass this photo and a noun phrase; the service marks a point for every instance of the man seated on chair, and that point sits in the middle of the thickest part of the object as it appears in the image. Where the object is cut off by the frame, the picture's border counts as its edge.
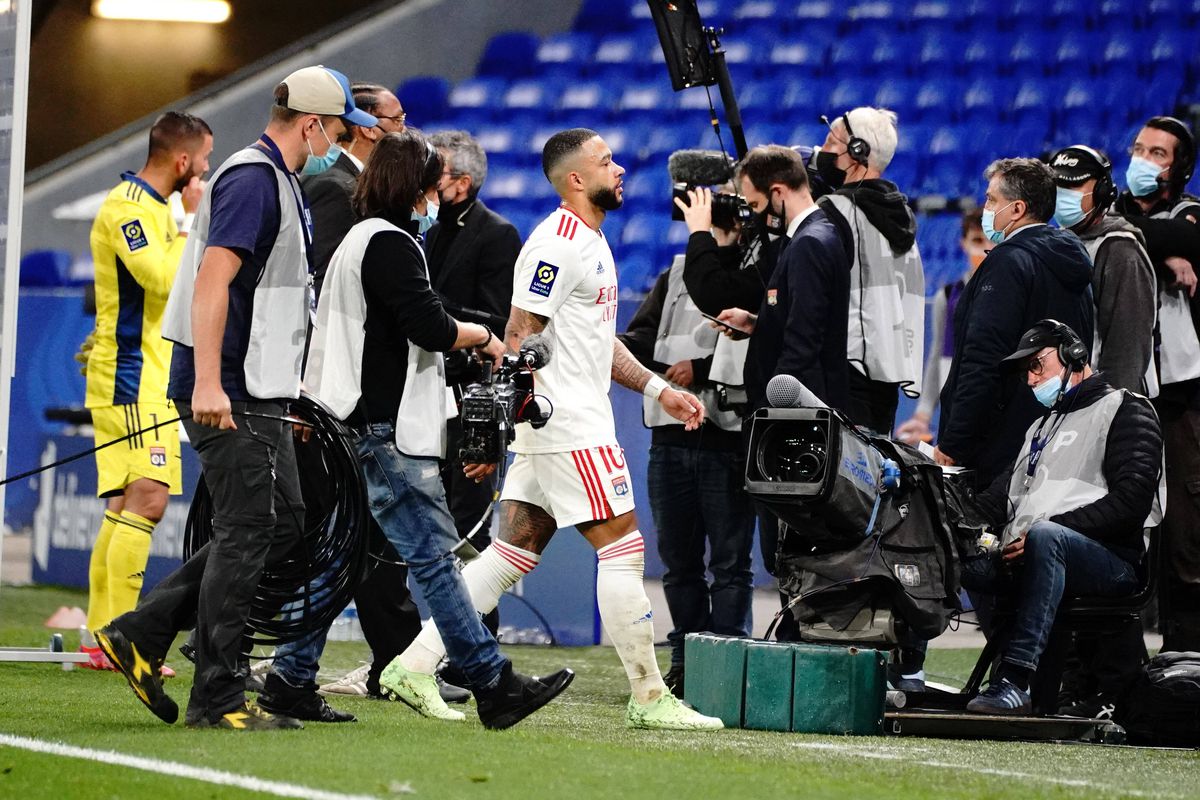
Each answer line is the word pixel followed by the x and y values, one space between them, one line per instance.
pixel 1073 506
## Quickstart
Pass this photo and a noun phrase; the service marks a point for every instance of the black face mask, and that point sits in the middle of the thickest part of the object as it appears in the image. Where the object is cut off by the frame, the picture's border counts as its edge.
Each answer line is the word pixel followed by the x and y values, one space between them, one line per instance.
pixel 827 169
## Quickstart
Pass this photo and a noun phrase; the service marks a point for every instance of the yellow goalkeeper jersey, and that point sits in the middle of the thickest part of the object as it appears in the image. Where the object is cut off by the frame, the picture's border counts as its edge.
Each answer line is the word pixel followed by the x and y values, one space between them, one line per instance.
pixel 136 247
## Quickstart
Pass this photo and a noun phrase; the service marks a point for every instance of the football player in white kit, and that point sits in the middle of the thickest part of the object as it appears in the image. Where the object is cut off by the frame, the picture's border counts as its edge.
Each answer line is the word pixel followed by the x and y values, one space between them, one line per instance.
pixel 572 471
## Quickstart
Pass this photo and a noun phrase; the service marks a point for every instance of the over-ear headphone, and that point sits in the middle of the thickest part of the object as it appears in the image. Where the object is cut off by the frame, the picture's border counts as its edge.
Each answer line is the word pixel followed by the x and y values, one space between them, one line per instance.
pixel 1105 192
pixel 1072 352
pixel 858 149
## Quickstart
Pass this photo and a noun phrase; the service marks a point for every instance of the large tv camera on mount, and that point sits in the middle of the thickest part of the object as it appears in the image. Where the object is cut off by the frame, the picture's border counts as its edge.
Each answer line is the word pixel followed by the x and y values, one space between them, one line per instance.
pixel 492 408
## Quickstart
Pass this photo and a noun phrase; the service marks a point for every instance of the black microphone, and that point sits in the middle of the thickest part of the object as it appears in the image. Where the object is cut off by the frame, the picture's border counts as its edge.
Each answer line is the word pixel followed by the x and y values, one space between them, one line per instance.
pixel 535 351
pixel 700 167
pixel 786 391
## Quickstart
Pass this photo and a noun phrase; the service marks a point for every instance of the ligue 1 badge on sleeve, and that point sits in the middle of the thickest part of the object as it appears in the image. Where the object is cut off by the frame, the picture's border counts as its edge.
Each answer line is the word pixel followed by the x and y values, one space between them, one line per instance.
pixel 543 278
pixel 772 296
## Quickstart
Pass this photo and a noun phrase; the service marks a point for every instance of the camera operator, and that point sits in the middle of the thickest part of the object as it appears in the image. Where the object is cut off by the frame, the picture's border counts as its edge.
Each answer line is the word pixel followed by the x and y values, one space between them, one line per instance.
pixel 695 478
pixel 1124 289
pixel 1164 157
pixel 1073 504
pixel 886 332
pixel 1034 272
pixel 471 251
pixel 376 362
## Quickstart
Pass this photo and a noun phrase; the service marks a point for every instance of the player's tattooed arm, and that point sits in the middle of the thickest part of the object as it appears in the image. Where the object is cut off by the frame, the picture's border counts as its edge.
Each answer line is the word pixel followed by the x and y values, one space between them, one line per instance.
pixel 522 324
pixel 626 370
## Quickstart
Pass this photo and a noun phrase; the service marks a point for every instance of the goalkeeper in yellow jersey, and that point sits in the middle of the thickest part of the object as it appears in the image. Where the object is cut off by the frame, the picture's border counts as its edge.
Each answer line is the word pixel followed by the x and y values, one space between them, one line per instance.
pixel 136 247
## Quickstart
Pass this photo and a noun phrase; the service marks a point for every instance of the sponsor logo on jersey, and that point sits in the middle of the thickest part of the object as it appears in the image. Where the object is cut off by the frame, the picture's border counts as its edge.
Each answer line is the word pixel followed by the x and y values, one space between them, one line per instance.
pixel 543 278
pixel 158 456
pixel 620 486
pixel 599 267
pixel 135 235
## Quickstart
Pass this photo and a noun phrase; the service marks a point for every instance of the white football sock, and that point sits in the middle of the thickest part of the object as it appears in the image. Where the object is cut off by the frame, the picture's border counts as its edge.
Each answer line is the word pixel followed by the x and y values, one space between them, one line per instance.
pixel 497 569
pixel 625 612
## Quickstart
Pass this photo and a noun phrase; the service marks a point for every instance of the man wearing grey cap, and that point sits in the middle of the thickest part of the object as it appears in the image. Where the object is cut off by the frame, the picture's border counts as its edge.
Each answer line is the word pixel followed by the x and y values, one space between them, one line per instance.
pixel 238 313
pixel 1124 289
pixel 1071 508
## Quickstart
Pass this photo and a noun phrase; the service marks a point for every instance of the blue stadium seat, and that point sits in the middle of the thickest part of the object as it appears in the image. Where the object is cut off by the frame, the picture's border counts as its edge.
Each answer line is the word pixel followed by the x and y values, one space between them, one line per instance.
pixel 947 141
pixel 820 11
pixel 807 56
pixel 982 55
pixel 893 53
pixel 808 134
pixel 940 53
pixel 1169 48
pixel 764 100
pixel 849 94
pixel 1029 50
pixel 851 54
pixel 1036 99
pixel 1115 15
pixel 525 95
pixel 666 139
pixel 1123 53
pixel 903 170
pixel 605 16
pixel 512 55
pixel 573 49
pixel 424 96
pixel 875 11
pixel 46 268
pixel 1078 53
pixel 928 12
pixel 936 99
pixel 807 97
pixel 476 93
pixel 757 10
pixel 588 97
pixel 647 101
pixel 898 94
pixel 764 133
pixel 1067 14
pixel 987 98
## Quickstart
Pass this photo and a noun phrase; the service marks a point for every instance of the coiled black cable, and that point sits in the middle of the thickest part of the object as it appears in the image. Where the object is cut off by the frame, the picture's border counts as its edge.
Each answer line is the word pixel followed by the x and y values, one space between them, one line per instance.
pixel 304 591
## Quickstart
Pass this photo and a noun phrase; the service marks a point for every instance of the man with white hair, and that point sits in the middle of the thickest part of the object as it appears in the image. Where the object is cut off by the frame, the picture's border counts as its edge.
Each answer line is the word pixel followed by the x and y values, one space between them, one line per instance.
pixel 886 329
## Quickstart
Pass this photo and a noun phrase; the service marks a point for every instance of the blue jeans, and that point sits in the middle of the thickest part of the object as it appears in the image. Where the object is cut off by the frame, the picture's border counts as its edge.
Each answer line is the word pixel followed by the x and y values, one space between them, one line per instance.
pixel 696 496
pixel 408 501
pixel 1058 561
pixel 297 662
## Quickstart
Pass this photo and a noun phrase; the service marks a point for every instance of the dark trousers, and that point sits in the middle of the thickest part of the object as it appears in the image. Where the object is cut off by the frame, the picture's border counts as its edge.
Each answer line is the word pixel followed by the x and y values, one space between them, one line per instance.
pixel 1179 585
pixel 389 617
pixel 257 517
pixel 873 403
pixel 697 499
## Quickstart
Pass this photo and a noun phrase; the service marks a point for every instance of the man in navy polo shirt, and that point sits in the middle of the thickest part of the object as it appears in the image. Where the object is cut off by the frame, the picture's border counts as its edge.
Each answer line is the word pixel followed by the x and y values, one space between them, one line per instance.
pixel 238 314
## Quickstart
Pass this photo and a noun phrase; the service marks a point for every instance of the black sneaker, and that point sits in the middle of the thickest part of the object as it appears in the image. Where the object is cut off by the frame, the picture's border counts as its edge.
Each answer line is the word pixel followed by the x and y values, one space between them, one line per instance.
pixel 279 697
pixel 1001 697
pixel 674 680
pixel 142 674
pixel 912 682
pixel 249 717
pixel 517 696
pixel 1095 707
pixel 451 693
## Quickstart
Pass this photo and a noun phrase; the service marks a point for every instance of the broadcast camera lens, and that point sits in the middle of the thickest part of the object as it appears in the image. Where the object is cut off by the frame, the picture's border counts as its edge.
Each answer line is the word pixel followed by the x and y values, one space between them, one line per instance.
pixel 793 453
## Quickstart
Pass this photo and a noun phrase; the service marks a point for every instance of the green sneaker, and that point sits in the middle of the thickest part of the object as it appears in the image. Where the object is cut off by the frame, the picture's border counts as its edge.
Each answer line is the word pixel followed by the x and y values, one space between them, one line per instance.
pixel 668 713
pixel 416 690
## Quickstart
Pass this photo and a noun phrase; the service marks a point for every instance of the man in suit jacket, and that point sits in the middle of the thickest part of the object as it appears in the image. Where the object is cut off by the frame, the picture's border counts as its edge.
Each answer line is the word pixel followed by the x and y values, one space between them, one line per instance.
pixel 471 251
pixel 329 192
pixel 1035 272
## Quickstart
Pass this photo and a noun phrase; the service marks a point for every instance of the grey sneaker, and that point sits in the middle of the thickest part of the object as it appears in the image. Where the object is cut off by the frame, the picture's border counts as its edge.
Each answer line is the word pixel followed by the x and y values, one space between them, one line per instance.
pixel 353 683
pixel 416 690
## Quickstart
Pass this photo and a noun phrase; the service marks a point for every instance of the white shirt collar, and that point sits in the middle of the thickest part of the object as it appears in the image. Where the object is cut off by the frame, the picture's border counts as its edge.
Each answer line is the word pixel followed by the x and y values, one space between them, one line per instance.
pixel 1024 228
pixel 353 160
pixel 803 215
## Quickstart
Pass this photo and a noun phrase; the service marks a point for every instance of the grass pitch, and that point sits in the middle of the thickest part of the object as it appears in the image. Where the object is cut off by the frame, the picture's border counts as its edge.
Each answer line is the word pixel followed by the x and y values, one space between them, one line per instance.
pixel 576 748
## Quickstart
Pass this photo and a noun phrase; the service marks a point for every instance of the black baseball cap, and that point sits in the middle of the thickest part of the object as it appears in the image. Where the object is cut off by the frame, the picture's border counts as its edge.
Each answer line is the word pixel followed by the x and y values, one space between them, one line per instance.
pixel 1076 164
pixel 1043 334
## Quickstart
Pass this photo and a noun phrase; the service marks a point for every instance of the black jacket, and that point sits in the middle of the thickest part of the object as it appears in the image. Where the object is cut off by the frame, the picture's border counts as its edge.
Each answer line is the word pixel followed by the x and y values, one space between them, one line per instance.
pixel 802 321
pixel 884 206
pixel 329 195
pixel 715 280
pixel 1039 273
pixel 1132 466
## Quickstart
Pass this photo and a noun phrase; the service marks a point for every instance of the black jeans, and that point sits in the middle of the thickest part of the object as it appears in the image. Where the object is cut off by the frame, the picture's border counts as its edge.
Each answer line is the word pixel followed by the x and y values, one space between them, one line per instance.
pixel 258 515
pixel 1179 537
pixel 873 403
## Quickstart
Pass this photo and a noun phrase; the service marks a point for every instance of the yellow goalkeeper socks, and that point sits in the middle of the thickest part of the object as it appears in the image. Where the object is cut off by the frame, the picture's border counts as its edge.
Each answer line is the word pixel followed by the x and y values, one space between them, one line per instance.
pixel 98 602
pixel 127 556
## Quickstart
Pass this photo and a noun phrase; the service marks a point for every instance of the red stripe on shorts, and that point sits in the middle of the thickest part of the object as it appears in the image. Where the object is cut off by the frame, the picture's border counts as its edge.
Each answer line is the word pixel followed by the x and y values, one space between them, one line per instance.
pixel 608 512
pixel 587 484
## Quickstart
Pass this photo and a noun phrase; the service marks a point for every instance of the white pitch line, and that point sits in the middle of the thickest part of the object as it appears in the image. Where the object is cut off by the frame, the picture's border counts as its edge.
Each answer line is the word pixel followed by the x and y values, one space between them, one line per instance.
pixel 897 754
pixel 176 769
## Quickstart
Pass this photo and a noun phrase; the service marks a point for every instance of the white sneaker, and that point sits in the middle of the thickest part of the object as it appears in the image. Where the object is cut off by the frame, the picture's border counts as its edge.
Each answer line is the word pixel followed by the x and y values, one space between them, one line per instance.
pixel 353 683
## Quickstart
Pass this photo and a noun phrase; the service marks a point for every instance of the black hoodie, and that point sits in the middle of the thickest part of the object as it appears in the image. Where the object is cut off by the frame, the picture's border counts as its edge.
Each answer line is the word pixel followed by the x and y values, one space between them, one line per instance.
pixel 1038 273
pixel 884 206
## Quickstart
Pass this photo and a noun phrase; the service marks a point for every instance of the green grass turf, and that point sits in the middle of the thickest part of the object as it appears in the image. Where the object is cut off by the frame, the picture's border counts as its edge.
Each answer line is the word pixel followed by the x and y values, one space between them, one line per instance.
pixel 577 748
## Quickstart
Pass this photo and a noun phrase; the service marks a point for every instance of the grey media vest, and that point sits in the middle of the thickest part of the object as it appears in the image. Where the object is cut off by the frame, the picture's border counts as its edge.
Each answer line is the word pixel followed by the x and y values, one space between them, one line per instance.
pixel 279 323
pixel 886 331
pixel 684 333
pixel 1070 472
pixel 1150 380
pixel 1179 351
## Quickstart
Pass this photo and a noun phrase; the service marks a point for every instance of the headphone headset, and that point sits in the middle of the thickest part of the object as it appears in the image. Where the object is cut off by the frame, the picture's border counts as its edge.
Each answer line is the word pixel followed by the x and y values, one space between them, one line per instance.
pixel 1105 192
pixel 857 148
pixel 1072 352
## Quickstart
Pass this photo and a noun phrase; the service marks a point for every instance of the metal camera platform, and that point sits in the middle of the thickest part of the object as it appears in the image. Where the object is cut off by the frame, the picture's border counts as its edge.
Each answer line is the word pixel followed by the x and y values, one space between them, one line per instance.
pixel 53 654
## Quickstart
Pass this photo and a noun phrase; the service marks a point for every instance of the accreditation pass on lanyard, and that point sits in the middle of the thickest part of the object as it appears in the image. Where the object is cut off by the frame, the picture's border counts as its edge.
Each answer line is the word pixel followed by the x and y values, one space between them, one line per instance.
pixel 1035 455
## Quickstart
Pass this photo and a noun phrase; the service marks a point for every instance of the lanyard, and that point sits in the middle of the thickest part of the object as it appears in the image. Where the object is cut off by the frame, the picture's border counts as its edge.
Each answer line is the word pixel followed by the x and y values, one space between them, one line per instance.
pixel 276 156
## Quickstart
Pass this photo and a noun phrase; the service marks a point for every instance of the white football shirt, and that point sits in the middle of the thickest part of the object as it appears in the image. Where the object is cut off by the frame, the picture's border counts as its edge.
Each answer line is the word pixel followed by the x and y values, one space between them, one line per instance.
pixel 566 272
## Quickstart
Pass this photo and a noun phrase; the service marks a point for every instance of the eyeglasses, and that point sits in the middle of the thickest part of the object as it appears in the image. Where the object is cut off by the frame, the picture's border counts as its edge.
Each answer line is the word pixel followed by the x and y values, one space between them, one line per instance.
pixel 1035 364
pixel 398 119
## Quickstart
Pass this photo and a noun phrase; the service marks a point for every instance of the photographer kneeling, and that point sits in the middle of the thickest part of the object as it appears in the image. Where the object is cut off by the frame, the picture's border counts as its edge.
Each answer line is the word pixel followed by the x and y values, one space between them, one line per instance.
pixel 1074 504
pixel 376 361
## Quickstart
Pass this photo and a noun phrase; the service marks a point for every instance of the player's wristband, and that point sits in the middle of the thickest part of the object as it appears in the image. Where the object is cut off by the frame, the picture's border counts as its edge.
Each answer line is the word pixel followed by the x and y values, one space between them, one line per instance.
pixel 654 387
pixel 185 227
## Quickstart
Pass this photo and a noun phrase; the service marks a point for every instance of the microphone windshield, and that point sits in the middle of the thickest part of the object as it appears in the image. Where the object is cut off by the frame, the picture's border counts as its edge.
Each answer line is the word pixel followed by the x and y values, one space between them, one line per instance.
pixel 700 167
pixel 786 391
pixel 536 351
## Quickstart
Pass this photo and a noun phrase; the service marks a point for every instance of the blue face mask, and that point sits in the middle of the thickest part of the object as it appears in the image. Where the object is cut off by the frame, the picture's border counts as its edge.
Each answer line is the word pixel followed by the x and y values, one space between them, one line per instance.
pixel 989 230
pixel 1068 207
pixel 315 165
pixel 425 221
pixel 1142 176
pixel 1046 392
